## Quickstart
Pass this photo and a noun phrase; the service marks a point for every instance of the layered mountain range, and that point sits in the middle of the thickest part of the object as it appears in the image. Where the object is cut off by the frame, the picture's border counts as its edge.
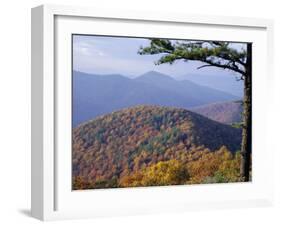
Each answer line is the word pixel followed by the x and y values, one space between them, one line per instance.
pixel 96 95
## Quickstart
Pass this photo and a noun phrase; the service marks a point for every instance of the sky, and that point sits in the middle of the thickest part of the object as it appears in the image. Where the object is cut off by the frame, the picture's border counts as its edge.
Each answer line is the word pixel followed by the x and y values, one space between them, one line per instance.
pixel 118 55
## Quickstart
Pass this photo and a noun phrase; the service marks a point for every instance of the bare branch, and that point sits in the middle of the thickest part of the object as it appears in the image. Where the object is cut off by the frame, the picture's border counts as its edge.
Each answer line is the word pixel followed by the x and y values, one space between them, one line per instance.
pixel 205 65
pixel 224 66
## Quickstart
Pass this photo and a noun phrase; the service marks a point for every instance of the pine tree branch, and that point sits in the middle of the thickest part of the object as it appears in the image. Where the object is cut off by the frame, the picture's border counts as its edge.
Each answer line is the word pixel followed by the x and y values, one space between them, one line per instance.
pixel 213 53
pixel 224 66
pixel 205 65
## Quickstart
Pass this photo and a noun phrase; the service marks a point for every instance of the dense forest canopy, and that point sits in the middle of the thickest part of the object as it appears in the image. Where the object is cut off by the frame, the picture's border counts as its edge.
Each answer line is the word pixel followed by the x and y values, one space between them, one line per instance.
pixel 112 150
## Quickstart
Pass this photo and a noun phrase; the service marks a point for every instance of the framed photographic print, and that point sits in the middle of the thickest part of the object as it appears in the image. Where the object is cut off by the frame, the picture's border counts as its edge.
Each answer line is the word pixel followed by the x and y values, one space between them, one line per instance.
pixel 137 113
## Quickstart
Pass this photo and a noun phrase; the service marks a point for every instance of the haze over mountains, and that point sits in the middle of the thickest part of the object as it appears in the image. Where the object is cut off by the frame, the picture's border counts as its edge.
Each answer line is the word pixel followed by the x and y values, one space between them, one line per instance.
pixel 224 112
pixel 223 82
pixel 95 95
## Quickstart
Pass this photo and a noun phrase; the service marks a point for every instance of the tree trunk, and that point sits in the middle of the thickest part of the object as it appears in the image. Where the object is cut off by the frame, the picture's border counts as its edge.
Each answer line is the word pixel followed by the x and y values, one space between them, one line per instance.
pixel 246 146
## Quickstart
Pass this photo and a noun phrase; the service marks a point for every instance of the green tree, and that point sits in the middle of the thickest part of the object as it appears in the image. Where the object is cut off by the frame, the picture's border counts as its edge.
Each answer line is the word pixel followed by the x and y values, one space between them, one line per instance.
pixel 214 54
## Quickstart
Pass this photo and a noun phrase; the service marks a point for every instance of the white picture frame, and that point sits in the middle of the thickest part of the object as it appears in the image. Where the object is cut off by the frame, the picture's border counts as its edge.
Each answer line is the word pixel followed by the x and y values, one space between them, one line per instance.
pixel 52 197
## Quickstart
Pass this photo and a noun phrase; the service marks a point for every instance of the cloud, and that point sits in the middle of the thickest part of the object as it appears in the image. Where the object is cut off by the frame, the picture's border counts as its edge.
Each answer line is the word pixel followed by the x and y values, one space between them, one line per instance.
pixel 86 49
pixel 110 65
pixel 112 55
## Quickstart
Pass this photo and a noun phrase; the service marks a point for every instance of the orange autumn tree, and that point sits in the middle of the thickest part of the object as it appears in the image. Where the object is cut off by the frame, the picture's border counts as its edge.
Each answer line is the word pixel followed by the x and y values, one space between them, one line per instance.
pixel 213 164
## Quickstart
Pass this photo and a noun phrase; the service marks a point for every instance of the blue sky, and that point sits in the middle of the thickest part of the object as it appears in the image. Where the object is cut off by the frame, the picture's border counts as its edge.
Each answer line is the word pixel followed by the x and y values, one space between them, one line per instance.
pixel 118 55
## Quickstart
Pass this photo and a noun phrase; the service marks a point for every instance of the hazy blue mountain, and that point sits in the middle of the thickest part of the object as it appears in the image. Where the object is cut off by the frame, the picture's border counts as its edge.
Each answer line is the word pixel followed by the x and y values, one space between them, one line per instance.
pixel 95 95
pixel 224 112
pixel 191 90
pixel 223 82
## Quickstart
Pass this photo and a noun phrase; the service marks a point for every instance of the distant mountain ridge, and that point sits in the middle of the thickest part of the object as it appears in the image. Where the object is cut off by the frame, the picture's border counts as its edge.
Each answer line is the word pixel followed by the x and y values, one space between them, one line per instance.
pixel 224 112
pixel 95 95
pixel 225 83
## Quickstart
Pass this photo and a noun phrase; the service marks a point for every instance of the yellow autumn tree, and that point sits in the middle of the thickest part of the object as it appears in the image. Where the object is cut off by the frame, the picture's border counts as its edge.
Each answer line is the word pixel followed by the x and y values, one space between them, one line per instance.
pixel 170 172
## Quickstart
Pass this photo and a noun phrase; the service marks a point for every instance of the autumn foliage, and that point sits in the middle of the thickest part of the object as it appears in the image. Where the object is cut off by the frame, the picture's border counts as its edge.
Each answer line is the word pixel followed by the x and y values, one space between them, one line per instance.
pixel 170 172
pixel 154 146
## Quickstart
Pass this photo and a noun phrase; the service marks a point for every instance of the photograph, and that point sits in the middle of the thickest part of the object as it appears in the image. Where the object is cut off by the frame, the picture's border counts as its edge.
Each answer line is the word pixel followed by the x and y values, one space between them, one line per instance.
pixel 160 112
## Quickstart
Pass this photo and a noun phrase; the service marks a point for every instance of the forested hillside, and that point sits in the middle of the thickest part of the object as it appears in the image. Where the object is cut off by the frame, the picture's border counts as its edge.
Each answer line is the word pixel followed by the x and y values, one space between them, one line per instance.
pixel 152 145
